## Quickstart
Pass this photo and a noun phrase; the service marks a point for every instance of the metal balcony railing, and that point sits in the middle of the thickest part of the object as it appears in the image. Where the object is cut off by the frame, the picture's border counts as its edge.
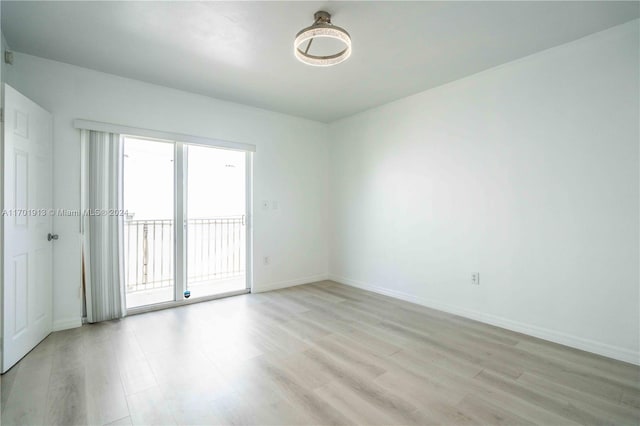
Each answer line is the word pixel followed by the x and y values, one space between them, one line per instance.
pixel 215 251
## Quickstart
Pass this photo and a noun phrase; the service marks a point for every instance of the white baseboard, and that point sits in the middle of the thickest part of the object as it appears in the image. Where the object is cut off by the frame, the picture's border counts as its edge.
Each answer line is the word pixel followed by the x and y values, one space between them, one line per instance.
pixel 65 324
pixel 604 349
pixel 289 283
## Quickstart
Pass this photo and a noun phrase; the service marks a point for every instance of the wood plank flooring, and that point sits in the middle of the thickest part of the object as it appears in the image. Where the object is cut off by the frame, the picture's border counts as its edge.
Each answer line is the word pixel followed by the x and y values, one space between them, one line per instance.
pixel 320 354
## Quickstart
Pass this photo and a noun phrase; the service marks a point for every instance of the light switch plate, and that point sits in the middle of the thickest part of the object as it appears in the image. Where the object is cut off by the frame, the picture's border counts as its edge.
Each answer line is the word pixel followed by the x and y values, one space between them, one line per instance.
pixel 475 278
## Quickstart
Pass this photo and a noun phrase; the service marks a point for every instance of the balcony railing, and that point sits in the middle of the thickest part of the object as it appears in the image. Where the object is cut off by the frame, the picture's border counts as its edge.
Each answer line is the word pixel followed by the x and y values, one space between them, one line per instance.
pixel 215 251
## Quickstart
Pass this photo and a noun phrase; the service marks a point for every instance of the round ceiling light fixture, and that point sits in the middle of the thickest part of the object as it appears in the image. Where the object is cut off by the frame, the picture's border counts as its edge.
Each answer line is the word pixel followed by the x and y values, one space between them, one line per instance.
pixel 322 28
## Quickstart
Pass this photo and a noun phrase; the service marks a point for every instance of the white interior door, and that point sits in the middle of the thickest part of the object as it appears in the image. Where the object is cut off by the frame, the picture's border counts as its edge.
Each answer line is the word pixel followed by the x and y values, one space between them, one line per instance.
pixel 27 223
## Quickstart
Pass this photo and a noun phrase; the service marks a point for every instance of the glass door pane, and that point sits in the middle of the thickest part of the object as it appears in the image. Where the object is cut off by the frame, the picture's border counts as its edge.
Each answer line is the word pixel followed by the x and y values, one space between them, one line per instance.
pixel 148 190
pixel 216 225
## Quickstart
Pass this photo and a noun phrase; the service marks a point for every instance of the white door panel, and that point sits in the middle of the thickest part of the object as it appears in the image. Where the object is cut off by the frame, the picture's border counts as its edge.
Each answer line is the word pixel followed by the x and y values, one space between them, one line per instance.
pixel 27 201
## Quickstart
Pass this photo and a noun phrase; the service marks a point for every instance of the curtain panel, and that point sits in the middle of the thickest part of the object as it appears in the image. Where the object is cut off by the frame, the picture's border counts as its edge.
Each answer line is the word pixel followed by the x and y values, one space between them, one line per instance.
pixel 102 225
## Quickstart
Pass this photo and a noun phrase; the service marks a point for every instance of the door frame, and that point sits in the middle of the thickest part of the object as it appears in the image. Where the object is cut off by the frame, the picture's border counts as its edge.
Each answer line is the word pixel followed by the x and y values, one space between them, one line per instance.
pixel 180 203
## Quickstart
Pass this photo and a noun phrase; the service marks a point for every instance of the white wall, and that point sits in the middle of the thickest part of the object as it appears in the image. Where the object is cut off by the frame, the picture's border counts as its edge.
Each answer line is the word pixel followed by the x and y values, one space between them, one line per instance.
pixel 527 173
pixel 289 166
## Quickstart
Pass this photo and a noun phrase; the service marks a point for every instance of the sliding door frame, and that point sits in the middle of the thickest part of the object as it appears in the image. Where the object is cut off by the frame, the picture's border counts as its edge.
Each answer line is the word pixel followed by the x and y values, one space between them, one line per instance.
pixel 180 217
pixel 248 180
pixel 180 233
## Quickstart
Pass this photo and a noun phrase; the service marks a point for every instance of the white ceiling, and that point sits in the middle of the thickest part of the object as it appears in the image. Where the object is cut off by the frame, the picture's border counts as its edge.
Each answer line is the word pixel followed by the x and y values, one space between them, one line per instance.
pixel 242 51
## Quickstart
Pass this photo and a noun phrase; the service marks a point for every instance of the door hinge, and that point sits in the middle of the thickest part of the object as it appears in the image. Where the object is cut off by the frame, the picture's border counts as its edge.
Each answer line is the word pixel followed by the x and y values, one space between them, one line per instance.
pixel 1 115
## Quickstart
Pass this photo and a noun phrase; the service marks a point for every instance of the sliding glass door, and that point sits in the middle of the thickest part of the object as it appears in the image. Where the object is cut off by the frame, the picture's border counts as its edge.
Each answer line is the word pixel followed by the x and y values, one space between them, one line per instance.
pixel 216 221
pixel 204 189
pixel 149 227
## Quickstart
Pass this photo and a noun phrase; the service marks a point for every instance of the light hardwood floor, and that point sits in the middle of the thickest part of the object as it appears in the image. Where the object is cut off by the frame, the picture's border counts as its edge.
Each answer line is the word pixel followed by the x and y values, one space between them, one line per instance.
pixel 315 354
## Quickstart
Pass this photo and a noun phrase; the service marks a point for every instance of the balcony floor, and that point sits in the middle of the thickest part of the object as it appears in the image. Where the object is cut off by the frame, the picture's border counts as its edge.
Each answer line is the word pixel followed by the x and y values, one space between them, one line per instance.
pixel 200 289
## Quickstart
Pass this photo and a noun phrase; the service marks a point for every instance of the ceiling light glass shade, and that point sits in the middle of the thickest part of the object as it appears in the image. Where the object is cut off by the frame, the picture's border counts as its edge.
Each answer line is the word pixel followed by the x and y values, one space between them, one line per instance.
pixel 319 30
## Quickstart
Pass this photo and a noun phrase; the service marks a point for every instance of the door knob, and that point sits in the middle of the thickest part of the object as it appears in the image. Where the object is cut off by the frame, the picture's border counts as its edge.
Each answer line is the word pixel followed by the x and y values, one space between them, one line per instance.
pixel 52 237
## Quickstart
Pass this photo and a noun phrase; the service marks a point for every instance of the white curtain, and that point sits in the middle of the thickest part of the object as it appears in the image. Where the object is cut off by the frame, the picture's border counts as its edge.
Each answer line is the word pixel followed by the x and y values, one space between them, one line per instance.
pixel 102 226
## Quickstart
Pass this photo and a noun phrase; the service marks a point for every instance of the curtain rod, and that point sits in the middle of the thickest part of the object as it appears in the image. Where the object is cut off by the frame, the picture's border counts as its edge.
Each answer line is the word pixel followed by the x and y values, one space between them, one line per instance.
pixel 159 134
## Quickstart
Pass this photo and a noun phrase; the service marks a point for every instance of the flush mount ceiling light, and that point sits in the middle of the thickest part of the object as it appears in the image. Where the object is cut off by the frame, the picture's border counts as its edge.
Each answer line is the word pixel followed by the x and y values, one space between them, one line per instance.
pixel 322 28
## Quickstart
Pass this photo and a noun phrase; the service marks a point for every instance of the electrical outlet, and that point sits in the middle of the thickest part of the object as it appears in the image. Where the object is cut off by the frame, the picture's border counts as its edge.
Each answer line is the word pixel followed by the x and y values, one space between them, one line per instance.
pixel 475 278
pixel 266 261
